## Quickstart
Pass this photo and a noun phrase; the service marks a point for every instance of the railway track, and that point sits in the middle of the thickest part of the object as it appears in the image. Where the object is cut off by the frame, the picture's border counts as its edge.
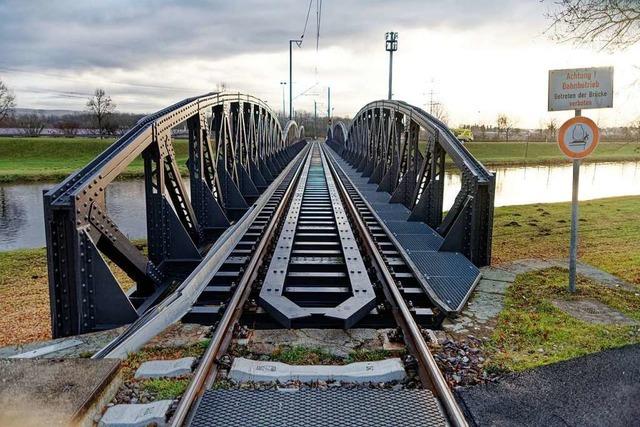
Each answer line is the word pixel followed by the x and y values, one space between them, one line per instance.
pixel 315 255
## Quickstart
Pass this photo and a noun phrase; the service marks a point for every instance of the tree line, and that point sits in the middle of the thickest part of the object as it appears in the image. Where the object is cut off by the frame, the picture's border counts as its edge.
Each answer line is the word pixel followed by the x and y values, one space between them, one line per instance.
pixel 100 117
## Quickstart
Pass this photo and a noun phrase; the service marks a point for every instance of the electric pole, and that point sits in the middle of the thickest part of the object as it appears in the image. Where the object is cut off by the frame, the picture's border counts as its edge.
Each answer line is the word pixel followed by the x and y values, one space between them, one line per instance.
pixel 298 43
pixel 315 118
pixel 329 105
pixel 284 110
pixel 391 46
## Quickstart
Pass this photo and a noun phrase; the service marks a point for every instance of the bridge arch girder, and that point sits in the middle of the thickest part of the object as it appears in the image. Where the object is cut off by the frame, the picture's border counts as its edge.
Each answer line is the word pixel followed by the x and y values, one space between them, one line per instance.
pixel 402 148
pixel 236 147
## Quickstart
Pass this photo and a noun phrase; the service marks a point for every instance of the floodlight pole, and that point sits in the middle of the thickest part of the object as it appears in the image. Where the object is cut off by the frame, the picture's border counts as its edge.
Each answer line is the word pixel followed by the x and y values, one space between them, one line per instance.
pixel 297 42
pixel 329 105
pixel 284 110
pixel 391 46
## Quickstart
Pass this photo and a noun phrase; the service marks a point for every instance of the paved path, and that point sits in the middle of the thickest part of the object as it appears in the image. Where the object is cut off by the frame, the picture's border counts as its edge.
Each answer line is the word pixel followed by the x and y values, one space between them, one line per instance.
pixel 602 389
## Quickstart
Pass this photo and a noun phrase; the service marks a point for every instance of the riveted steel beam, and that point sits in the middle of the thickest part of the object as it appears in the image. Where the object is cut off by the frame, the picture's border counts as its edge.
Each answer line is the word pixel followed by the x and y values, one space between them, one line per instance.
pixel 404 149
pixel 233 138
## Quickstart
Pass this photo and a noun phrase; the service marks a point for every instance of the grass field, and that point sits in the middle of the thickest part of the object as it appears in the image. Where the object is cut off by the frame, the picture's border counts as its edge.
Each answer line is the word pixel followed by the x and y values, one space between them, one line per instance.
pixel 520 153
pixel 54 158
pixel 610 240
pixel 609 234
pixel 531 330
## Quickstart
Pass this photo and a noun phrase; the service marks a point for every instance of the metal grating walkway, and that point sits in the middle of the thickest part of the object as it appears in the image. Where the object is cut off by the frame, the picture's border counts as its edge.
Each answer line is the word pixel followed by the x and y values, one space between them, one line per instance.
pixel 311 408
pixel 449 276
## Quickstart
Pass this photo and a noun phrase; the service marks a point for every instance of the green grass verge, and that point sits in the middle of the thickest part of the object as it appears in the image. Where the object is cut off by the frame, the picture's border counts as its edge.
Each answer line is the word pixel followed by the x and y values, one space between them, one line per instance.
pixel 522 153
pixel 532 332
pixel 54 158
pixel 609 234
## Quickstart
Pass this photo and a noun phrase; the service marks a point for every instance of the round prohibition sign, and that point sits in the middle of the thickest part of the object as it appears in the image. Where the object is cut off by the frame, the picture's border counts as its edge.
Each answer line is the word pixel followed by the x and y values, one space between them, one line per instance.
pixel 578 137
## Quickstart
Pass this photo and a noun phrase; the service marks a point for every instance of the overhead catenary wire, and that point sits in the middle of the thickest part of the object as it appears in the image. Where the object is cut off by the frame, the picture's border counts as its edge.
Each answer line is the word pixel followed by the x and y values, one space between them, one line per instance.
pixel 306 21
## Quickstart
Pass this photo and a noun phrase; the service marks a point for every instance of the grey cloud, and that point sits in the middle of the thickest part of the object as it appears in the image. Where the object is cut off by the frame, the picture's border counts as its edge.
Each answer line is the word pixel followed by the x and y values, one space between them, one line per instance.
pixel 76 35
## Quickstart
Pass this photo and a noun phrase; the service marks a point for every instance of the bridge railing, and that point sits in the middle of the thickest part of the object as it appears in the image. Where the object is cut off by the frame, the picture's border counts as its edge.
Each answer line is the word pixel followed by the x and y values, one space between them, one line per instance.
pixel 236 148
pixel 403 149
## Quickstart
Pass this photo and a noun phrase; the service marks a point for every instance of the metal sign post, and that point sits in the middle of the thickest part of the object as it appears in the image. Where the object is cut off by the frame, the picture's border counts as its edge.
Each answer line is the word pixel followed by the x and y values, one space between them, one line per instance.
pixel 577 138
pixel 577 89
pixel 573 245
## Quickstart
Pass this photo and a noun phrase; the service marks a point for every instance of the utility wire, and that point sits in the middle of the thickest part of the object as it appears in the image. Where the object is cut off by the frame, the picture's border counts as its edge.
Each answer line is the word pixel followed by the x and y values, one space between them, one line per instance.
pixel 318 19
pixel 306 21
pixel 306 90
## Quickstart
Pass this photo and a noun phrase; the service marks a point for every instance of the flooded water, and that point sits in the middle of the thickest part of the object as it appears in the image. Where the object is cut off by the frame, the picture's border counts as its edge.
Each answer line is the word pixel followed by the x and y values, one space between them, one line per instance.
pixel 22 225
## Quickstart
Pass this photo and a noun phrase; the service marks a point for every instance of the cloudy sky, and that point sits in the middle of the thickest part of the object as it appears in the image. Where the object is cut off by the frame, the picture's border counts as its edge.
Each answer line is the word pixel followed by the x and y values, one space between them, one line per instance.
pixel 480 58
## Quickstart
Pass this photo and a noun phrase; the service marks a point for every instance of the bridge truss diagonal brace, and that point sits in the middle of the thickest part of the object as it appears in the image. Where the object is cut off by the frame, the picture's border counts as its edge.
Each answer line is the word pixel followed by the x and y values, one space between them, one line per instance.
pixel 180 227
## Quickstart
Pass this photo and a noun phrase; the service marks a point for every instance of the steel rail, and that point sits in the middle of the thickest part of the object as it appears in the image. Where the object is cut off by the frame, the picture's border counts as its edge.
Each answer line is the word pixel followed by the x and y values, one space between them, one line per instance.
pixel 437 300
pixel 178 303
pixel 411 328
pixel 233 310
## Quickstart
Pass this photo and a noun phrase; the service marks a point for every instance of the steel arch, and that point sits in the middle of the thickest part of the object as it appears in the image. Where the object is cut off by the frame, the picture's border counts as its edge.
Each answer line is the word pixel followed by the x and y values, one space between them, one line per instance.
pixel 236 148
pixel 384 144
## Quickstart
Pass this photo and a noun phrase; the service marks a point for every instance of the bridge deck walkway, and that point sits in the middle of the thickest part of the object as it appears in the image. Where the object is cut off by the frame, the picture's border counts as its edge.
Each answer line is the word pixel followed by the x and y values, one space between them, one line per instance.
pixel 448 277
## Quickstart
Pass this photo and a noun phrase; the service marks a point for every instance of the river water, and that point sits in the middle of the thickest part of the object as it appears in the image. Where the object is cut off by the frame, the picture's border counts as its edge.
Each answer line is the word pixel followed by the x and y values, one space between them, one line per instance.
pixel 22 225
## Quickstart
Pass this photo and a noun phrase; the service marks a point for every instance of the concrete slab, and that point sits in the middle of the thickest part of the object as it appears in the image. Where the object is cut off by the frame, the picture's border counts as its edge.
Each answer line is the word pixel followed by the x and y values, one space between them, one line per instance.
pixel 47 349
pixel 165 368
pixel 493 286
pixel 498 274
pixel 137 415
pixel 51 391
pixel 361 372
pixel 602 277
pixel 592 311
pixel 74 346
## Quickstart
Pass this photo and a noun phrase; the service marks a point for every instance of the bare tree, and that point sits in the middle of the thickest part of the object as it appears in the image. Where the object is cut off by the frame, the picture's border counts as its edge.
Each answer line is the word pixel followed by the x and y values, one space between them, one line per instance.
pixel 31 124
pixel 101 106
pixel 613 24
pixel 438 111
pixel 635 128
pixel 551 128
pixel 505 124
pixel 7 101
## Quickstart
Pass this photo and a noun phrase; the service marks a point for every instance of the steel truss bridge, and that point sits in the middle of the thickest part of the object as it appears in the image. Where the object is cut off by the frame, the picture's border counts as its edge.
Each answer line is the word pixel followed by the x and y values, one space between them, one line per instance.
pixel 392 156
pixel 273 230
